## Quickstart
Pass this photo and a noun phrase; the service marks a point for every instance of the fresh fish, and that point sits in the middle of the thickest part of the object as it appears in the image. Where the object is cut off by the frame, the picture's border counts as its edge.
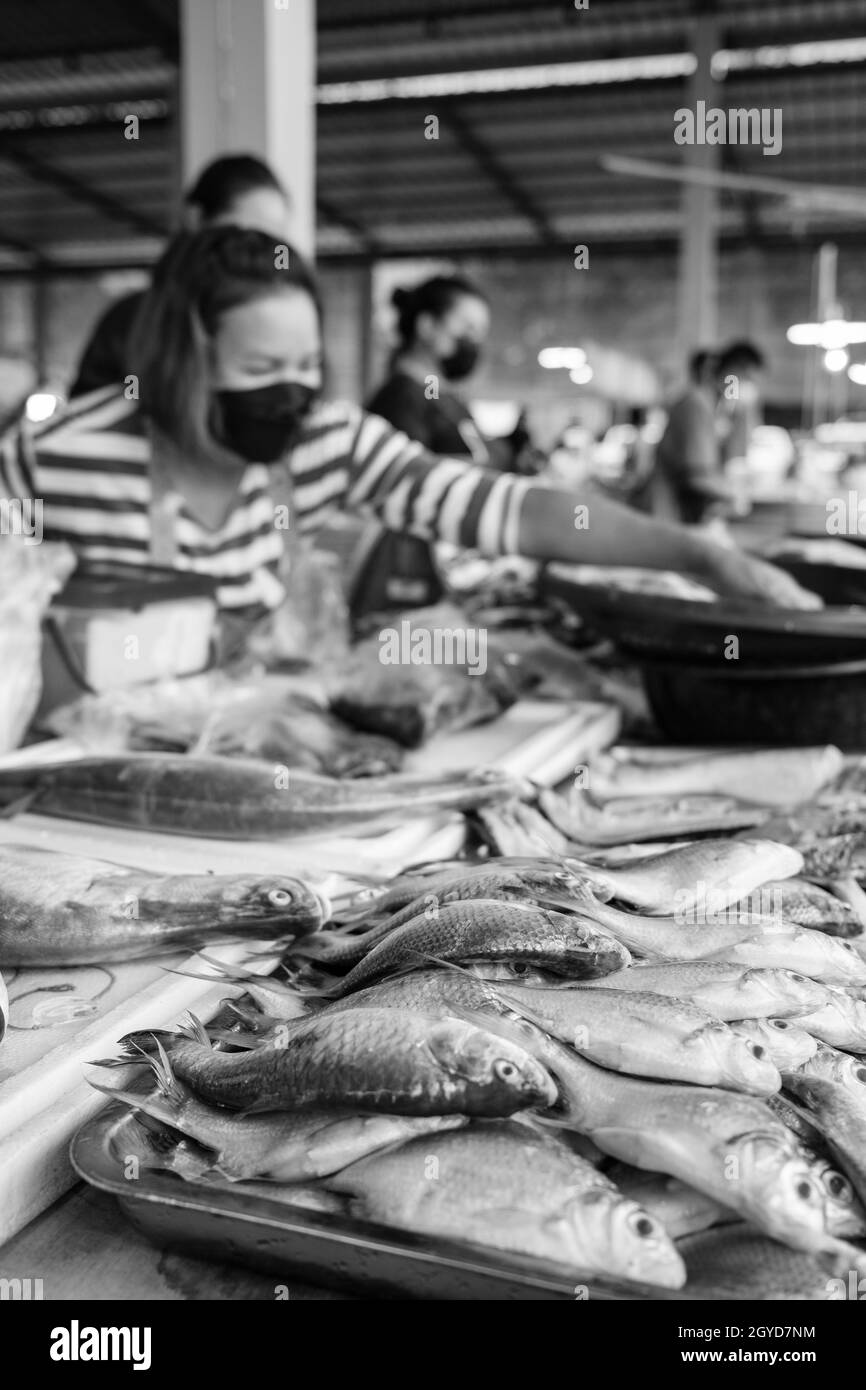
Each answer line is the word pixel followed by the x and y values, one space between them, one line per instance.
pixel 60 909
pixel 542 886
pixel 493 931
pixel 780 946
pixel 509 1187
pixel 707 873
pixel 584 820
pixel 834 857
pixel 511 833
pixel 728 1145
pixel 786 1044
pixel 804 904
pixel 738 1262
pixel 666 938
pixel 810 1139
pixel 770 777
pixel 841 1117
pixel 236 798
pixel 282 1146
pixel 839 1021
pixel 647 1035
pixel 726 990
pixel 846 1214
pixel 388 1060
pixel 680 1208
pixel 833 1065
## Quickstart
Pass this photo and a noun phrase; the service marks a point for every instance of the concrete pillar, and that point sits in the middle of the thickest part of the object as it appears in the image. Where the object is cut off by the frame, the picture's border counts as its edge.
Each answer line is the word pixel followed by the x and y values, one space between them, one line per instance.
pixel 697 316
pixel 248 85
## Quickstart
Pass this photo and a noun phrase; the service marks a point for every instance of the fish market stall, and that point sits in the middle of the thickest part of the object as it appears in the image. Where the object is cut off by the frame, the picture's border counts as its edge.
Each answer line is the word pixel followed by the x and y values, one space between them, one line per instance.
pixel 440 984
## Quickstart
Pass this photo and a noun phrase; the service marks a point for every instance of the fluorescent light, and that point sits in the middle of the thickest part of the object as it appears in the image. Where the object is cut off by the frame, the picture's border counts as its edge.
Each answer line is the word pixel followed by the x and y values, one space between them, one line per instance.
pixel 836 359
pixel 648 67
pixel 857 373
pixel 581 375
pixel 41 406
pixel 564 357
pixel 833 333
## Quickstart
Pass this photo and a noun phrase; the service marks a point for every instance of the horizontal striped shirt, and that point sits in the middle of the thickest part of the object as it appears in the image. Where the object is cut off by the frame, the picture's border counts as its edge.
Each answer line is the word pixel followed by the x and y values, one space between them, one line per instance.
pixel 90 466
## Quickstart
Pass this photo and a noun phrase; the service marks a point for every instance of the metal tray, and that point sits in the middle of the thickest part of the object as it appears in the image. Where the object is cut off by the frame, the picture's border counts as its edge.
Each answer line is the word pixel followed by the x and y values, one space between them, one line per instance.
pixel 334 1251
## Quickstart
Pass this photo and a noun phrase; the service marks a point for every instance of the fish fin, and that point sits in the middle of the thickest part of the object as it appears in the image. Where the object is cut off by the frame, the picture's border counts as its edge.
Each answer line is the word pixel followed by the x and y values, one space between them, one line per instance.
pixel 165 1077
pixel 247 1041
pixel 193 1028
pixel 142 1045
pixel 129 1098
pixel 513 1030
pixel 131 1061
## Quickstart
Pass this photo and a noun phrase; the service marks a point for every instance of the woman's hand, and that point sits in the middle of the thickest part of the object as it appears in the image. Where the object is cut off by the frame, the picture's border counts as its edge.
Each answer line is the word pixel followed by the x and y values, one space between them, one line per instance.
pixel 741 575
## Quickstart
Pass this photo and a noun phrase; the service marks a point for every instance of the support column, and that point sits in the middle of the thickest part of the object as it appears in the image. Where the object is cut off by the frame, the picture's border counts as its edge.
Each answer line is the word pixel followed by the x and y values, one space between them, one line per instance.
pixel 248 85
pixel 697 310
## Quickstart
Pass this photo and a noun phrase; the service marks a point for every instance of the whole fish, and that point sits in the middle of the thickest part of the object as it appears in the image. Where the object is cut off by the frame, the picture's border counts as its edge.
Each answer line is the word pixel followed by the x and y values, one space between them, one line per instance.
pixel 666 938
pixel 726 990
pixel 786 1044
pixel 841 1117
pixel 840 1021
pixel 728 1145
pixel 806 905
pixel 778 945
pixel 831 1064
pixel 681 1209
pixel 388 1060
pixel 584 820
pixel 647 1035
pixel 738 1262
pixel 60 909
pixel 282 1146
pixel 768 776
pixel 644 1034
pixel 508 1187
pixel 236 798
pixel 709 873
pixel 493 931
pixel 542 886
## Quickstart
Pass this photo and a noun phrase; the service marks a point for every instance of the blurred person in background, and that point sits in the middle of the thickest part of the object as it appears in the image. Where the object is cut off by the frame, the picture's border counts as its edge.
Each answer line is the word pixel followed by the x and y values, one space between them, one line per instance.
pixel 236 188
pixel 688 482
pixel 228 350
pixel 442 327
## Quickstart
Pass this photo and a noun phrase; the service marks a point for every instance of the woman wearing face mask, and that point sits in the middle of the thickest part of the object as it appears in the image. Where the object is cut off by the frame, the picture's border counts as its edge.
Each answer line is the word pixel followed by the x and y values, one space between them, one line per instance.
pixel 228 416
pixel 442 327
pixel 236 188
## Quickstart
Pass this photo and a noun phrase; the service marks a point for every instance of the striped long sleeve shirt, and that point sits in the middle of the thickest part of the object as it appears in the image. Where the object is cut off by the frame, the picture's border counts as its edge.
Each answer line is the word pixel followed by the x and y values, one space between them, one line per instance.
pixel 90 467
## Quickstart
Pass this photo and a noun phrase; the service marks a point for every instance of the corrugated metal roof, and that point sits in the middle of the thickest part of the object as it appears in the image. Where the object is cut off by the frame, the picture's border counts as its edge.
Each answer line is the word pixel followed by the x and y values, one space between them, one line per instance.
pixel 514 168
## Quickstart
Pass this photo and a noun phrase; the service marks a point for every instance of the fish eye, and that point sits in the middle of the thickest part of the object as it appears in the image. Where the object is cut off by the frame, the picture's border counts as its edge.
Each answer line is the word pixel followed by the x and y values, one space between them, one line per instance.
pixel 838 1186
pixel 801 979
pixel 643 1225
pixel 860 1073
pixel 280 897
pixel 804 1190
pixel 757 1050
pixel 778 1023
pixel 506 1071
pixel 520 967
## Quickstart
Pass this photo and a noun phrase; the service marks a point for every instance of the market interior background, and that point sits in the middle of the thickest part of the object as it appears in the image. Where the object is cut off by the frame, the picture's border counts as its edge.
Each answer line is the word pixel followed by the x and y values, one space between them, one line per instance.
pixel 532 97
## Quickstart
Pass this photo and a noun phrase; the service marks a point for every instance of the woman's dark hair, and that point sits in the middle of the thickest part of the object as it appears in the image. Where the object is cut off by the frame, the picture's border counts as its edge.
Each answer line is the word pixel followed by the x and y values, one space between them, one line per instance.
pixel 434 297
pixel 741 356
pixel 199 277
pixel 224 180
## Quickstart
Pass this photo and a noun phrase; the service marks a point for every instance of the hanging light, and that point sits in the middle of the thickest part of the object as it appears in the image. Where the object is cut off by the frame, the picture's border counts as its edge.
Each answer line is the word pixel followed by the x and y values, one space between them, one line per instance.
pixel 857 373
pixel 581 376
pixel 832 333
pixel 836 359
pixel 570 358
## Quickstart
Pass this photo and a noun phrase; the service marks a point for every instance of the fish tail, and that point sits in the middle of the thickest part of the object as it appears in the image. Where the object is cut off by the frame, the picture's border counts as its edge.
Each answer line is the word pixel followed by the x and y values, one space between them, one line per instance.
pixel 193 1028
pixel 165 1077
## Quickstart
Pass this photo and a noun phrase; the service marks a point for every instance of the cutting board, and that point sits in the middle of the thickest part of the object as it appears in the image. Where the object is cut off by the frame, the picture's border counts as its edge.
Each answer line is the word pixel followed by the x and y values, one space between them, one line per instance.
pixel 60 1018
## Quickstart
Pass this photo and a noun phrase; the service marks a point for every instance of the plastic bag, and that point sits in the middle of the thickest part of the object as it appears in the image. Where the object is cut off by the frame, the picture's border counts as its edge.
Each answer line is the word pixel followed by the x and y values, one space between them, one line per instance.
pixel 30 574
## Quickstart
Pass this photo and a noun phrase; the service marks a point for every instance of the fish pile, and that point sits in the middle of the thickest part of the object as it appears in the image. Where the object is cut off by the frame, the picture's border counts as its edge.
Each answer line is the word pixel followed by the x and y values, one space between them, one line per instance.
pixel 622 1069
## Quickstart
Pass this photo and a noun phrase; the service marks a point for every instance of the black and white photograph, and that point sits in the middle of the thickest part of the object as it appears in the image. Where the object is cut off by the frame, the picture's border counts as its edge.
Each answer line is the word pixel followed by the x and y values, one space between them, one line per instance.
pixel 433 667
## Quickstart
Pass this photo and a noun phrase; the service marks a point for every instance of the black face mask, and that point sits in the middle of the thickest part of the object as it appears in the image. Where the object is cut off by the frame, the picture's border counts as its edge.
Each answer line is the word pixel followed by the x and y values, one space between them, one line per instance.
pixel 263 423
pixel 462 360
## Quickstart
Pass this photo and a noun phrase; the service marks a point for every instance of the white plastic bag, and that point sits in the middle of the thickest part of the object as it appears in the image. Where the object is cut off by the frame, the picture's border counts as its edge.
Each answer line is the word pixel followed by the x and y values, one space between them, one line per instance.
pixel 29 577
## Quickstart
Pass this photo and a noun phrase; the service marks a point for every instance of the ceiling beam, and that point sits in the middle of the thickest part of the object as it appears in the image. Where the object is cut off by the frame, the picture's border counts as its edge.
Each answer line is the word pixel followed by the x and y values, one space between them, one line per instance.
pixel 42 172
pixel 362 234
pixel 499 176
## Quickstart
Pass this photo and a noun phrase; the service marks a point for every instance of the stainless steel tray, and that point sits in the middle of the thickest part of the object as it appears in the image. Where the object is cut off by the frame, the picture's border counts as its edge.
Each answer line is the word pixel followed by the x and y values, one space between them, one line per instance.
pixel 227 1223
